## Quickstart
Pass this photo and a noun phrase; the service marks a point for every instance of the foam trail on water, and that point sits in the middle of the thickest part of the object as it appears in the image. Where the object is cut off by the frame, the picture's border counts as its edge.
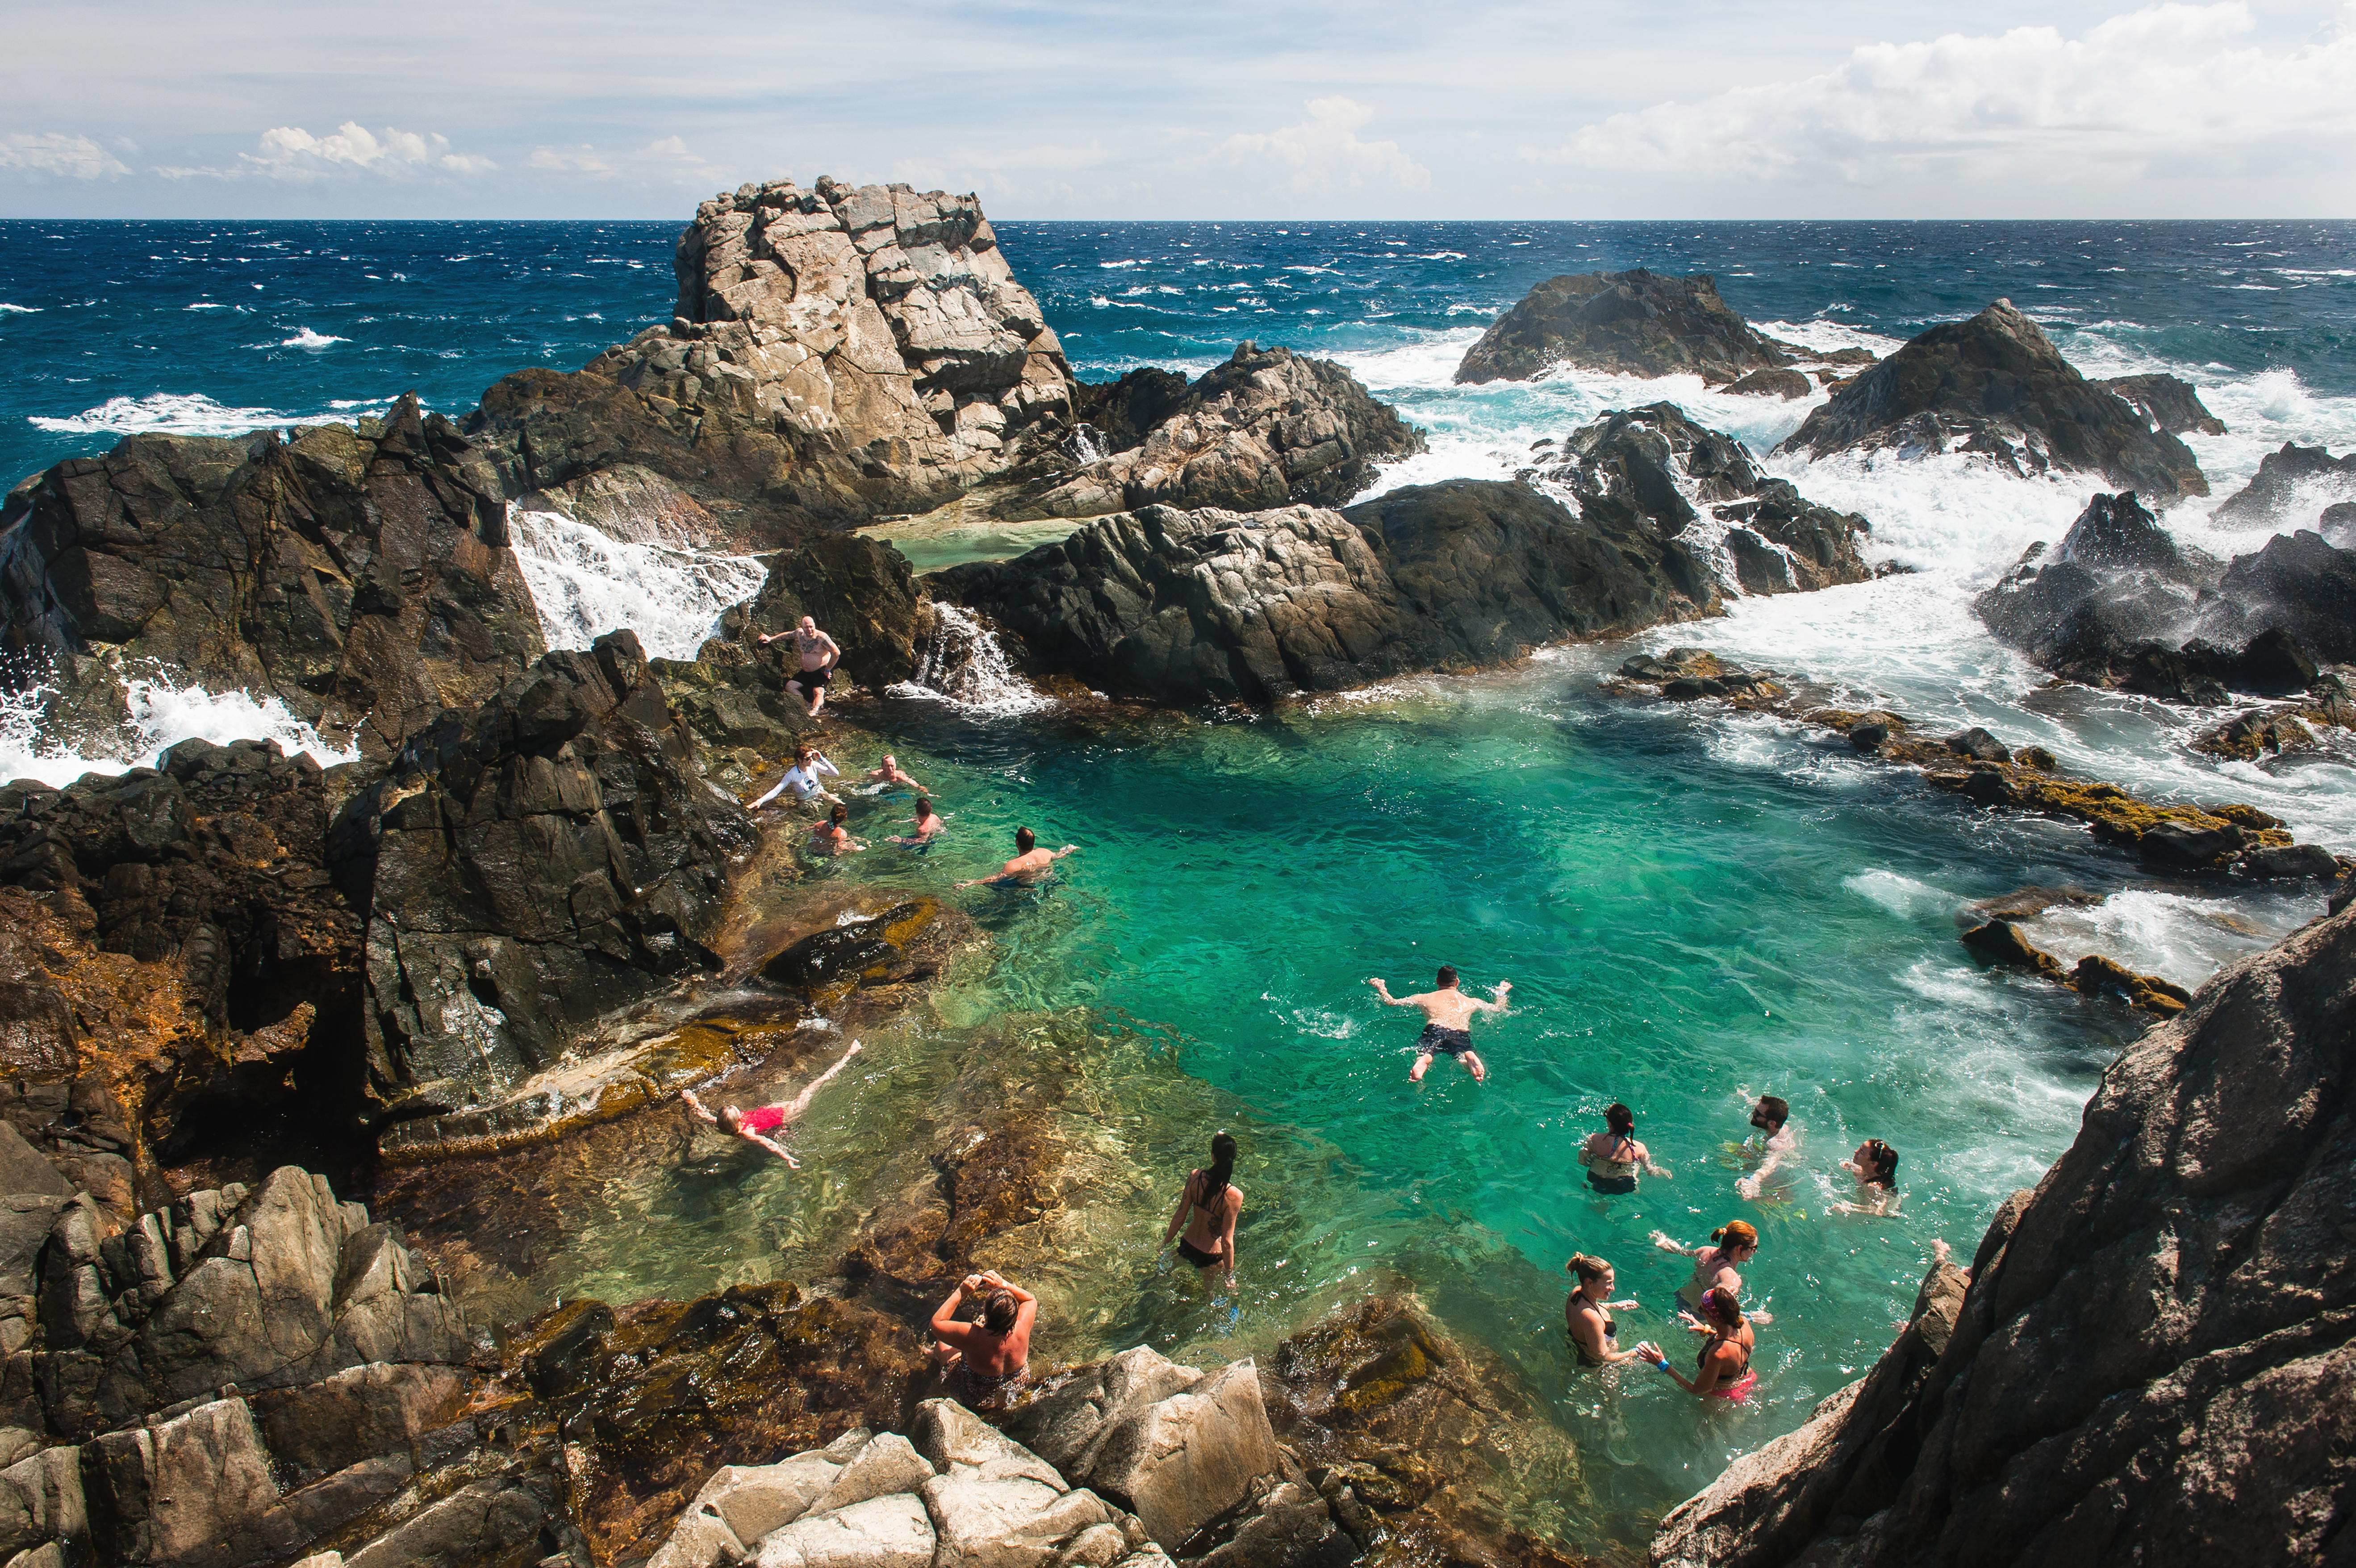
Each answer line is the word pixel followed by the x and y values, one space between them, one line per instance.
pixel 161 714
pixel 586 583
pixel 175 413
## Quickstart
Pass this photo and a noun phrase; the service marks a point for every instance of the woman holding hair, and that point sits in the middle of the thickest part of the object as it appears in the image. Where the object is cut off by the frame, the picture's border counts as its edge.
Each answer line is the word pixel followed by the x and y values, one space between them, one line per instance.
pixel 831 837
pixel 1613 1157
pixel 1735 1241
pixel 1723 1369
pixel 983 1360
pixel 1592 1332
pixel 1215 1202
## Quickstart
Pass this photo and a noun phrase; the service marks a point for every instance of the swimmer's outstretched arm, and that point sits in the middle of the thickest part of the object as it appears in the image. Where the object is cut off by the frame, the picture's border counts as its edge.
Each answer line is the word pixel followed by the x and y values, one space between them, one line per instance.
pixel 1504 986
pixel 1383 990
pixel 775 1148
pixel 1660 1240
pixel 696 1106
pixel 801 1101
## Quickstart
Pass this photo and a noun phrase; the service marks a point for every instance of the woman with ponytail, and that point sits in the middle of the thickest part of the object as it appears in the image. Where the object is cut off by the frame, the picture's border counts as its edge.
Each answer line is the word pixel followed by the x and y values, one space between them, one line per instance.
pixel 1215 1202
pixel 1592 1332
pixel 1735 1241
pixel 1723 1371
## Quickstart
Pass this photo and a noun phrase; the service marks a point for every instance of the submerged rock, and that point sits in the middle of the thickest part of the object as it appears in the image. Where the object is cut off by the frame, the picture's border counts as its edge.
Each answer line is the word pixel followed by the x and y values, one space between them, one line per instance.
pixel 1267 428
pixel 1633 323
pixel 360 578
pixel 1995 385
pixel 2174 1289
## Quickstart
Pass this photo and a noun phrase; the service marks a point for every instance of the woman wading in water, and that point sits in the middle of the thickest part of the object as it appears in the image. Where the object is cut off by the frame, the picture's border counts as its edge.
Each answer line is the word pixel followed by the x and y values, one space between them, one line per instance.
pixel 1215 1202
pixel 1734 1242
pixel 1723 1371
pixel 1592 1332
pixel 1613 1158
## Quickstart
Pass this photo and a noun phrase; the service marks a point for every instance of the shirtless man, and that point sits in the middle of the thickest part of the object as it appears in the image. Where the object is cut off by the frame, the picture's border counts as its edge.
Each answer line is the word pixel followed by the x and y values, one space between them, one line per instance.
pixel 890 774
pixel 1029 863
pixel 929 822
pixel 755 1125
pixel 820 656
pixel 1448 1021
pixel 985 1360
pixel 1773 1116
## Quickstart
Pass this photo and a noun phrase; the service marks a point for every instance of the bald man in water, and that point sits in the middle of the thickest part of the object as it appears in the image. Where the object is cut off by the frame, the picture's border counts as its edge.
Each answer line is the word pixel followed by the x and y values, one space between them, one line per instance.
pixel 1448 1021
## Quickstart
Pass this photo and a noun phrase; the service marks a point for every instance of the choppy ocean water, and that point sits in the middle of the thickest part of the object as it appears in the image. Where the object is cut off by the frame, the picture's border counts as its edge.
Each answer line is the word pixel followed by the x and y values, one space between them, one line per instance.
pixel 1689 904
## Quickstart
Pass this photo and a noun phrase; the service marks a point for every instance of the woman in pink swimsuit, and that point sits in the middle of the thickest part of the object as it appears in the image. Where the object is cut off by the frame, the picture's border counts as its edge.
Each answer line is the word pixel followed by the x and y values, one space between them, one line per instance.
pixel 1724 1368
pixel 755 1125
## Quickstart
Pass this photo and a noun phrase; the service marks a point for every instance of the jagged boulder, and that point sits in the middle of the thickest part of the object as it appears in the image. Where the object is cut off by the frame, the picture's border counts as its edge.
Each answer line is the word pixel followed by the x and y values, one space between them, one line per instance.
pixel 528 867
pixel 2150 1361
pixel 1267 428
pixel 2286 485
pixel 2173 403
pixel 2298 586
pixel 1995 385
pixel 861 593
pixel 359 576
pixel 1633 323
pixel 835 352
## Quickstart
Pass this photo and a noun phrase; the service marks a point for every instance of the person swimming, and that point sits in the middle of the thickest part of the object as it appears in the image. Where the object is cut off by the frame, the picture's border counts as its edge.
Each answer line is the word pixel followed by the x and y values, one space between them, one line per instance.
pixel 1447 1021
pixel 755 1126
pixel 1723 1368
pixel 888 774
pixel 1029 865
pixel 1735 1241
pixel 1215 1202
pixel 928 824
pixel 1613 1157
pixel 1874 1165
pixel 1773 1117
pixel 1591 1332
pixel 831 837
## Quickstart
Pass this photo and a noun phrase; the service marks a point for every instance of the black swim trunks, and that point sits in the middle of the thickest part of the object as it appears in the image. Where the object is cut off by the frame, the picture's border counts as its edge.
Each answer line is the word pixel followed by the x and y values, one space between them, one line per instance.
pixel 813 677
pixel 1617 1186
pixel 1437 1041
pixel 1195 1255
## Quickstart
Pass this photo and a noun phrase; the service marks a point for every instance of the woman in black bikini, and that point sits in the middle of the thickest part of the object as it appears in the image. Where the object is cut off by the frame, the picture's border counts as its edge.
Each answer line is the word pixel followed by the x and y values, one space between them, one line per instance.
pixel 1592 1332
pixel 1216 1203
pixel 1723 1369
pixel 1613 1158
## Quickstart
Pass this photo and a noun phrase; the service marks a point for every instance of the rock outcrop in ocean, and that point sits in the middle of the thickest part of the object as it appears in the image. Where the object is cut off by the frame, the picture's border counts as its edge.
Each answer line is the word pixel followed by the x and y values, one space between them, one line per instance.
pixel 359 576
pixel 1995 385
pixel 2148 1356
pixel 1633 323
pixel 1182 607
pixel 2173 403
pixel 2291 488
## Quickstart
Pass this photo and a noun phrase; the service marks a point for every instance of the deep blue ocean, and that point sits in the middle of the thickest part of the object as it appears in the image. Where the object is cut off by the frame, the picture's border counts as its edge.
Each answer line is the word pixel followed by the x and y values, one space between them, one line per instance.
pixel 1692 903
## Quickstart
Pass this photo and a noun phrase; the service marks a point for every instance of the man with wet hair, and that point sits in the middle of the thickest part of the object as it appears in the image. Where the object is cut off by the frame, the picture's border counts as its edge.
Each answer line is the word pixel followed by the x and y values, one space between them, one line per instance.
pixel 1771 1116
pixel 983 1360
pixel 1030 863
pixel 820 655
pixel 1448 1021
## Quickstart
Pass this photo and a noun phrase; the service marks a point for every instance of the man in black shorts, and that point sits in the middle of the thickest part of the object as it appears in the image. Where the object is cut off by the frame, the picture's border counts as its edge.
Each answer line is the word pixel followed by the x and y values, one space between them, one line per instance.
pixel 1448 1021
pixel 818 653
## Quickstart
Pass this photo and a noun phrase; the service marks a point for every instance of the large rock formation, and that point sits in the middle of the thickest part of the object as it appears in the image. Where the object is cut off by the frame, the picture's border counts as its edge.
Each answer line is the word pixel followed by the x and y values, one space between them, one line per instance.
pixel 2298 583
pixel 528 867
pixel 834 353
pixel 1266 429
pixel 1997 385
pixel 359 576
pixel 2150 1361
pixel 1631 324
pixel 2173 403
pixel 2289 487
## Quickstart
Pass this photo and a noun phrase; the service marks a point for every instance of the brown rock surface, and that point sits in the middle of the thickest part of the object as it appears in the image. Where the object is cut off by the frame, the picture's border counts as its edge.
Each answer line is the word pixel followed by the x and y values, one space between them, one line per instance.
pixel 2152 1363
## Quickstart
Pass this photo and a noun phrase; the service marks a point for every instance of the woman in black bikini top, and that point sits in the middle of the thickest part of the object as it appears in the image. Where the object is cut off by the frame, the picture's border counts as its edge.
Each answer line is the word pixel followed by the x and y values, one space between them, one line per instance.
pixel 1216 1203
pixel 1592 1332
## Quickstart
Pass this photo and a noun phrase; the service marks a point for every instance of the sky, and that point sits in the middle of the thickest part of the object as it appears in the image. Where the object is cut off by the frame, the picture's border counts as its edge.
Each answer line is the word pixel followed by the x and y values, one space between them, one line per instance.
pixel 1221 108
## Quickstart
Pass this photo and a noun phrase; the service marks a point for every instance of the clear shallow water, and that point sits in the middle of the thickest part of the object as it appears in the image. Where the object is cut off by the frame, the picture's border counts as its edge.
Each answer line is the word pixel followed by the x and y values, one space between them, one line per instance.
pixel 1688 903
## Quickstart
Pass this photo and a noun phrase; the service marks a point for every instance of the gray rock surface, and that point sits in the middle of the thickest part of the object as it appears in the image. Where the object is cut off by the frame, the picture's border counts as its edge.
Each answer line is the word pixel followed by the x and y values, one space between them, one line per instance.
pixel 2288 486
pixel 1067 1424
pixel 883 1532
pixel 1995 385
pixel 2152 1362
pixel 1183 1461
pixel 1633 323
pixel 2173 403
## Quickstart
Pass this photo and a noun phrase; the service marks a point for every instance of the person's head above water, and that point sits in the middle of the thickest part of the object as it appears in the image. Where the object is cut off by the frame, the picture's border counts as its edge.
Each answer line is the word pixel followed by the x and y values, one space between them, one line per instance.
pixel 809 625
pixel 805 752
pixel 1590 1270
pixel 998 1313
pixel 924 808
pixel 1025 841
pixel 1721 1308
pixel 1770 1114
pixel 1880 1162
pixel 839 815
pixel 730 1116
pixel 890 760
pixel 1620 1119
pixel 1736 1236
pixel 1447 975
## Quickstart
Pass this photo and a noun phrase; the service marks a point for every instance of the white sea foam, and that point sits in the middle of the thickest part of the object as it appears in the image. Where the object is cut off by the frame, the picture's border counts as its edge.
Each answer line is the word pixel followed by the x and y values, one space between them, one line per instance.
pixel 161 714
pixel 7 309
pixel 963 664
pixel 586 583
pixel 1901 895
pixel 306 338
pixel 172 413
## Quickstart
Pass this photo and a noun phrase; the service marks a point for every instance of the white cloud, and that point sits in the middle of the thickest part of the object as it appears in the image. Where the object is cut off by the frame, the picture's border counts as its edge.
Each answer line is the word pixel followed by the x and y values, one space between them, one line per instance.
pixel 2158 92
pixel 48 152
pixel 1323 153
pixel 665 158
pixel 289 152
pixel 583 159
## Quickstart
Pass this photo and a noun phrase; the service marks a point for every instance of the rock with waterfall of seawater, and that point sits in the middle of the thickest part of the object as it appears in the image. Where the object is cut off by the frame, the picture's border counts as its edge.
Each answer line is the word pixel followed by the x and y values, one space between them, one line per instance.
pixel 1633 323
pixel 1265 428
pixel 1996 386
pixel 360 577
pixel 861 593
pixel 2149 1357
pixel 1652 470
pixel 2298 586
pixel 835 352
pixel 2173 403
pixel 529 866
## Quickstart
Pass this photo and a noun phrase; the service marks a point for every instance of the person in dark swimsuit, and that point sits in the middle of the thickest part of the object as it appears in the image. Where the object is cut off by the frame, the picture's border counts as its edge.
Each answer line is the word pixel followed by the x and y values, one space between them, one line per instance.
pixel 1723 1371
pixel 819 654
pixel 984 1361
pixel 1613 1158
pixel 1591 1332
pixel 1448 1021
pixel 1215 1202
pixel 755 1125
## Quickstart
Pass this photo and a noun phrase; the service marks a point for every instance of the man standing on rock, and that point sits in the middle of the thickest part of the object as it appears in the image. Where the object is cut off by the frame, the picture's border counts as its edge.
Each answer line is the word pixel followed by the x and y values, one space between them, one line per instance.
pixel 820 655
pixel 1448 1021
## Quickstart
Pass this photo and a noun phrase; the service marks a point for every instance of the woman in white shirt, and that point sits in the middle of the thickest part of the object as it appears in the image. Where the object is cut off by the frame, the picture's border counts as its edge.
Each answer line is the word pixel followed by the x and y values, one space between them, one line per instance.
pixel 810 765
